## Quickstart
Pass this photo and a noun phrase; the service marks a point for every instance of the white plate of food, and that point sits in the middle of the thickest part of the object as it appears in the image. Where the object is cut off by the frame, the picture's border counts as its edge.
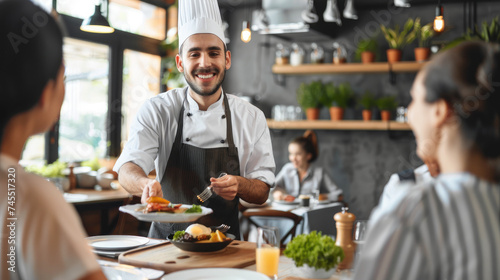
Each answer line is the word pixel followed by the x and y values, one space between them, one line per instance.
pixel 137 210
pixel 116 242
pixel 215 274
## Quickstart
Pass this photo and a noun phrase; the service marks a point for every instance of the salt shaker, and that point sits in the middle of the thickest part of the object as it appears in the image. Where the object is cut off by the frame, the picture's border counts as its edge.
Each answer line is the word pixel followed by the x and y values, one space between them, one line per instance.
pixel 339 54
pixel 317 54
pixel 297 55
pixel 344 221
pixel 282 54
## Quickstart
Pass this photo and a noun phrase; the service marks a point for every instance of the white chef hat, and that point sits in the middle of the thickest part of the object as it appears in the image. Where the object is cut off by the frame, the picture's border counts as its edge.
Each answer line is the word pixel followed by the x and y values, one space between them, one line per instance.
pixel 199 16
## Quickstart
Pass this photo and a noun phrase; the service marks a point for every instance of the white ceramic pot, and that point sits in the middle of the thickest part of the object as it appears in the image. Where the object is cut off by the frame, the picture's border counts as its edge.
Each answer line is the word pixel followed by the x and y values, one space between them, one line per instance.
pixel 306 271
pixel 104 180
pixel 86 180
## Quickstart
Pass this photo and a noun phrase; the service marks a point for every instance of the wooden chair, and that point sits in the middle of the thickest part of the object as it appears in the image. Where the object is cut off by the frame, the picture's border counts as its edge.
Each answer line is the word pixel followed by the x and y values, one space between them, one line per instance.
pixel 272 213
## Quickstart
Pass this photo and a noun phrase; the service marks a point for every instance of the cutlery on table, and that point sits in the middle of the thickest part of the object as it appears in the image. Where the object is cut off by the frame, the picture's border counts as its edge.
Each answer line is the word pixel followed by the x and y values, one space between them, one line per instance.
pixel 222 228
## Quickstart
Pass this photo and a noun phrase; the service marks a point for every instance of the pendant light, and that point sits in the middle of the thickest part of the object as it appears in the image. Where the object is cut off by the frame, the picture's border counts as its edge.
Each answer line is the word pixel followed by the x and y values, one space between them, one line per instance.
pixel 402 3
pixel 96 23
pixel 350 11
pixel 439 20
pixel 246 33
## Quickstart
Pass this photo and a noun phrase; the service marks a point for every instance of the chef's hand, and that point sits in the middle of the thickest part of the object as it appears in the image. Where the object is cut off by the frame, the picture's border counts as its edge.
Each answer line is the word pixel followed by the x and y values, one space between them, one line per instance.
pixel 152 188
pixel 226 186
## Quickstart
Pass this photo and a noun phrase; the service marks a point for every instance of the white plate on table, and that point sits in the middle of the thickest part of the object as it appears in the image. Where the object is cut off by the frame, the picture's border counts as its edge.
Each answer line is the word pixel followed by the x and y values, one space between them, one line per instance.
pixel 163 217
pixel 284 202
pixel 116 242
pixel 115 271
pixel 215 274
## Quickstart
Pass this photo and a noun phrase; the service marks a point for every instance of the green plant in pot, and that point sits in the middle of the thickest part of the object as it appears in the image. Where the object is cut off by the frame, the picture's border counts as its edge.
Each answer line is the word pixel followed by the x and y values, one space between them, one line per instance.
pixel 423 34
pixel 337 99
pixel 386 104
pixel 367 102
pixel 309 96
pixel 398 39
pixel 315 255
pixel 488 32
pixel 367 50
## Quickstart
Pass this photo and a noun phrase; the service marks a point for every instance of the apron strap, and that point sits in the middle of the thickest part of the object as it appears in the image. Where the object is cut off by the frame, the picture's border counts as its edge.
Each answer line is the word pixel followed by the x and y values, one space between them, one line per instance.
pixel 229 128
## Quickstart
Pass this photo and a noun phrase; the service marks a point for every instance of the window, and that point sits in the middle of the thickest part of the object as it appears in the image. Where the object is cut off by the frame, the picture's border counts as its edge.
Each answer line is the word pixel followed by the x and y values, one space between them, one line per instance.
pixel 138 17
pixel 45 4
pixel 108 77
pixel 132 16
pixel 34 150
pixel 82 125
pixel 141 80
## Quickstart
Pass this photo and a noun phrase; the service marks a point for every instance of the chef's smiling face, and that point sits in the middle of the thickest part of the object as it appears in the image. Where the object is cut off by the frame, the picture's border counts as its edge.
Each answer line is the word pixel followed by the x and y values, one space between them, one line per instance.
pixel 204 63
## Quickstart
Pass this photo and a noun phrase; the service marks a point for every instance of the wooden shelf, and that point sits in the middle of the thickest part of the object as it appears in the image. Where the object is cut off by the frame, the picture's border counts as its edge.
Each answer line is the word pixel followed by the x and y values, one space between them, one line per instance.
pixel 348 68
pixel 338 125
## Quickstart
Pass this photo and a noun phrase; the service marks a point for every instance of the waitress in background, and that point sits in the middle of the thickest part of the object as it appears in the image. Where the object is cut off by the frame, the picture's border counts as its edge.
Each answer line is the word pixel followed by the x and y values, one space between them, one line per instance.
pixel 300 177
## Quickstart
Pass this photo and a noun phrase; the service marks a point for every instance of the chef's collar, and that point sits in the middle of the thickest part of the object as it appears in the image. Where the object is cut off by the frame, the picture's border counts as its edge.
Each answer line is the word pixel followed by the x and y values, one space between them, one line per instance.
pixel 193 106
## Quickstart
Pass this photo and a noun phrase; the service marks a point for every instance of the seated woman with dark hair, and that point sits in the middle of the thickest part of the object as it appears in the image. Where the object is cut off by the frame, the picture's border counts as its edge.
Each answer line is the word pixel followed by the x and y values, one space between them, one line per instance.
pixel 299 176
pixel 449 227
pixel 41 235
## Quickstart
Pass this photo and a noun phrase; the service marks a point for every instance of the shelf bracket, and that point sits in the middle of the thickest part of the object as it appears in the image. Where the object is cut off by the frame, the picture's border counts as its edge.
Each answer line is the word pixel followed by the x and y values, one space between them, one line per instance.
pixel 392 75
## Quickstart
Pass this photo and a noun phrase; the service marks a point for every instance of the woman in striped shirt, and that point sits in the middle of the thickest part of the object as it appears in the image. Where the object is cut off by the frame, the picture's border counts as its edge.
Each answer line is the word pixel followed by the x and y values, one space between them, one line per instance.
pixel 447 228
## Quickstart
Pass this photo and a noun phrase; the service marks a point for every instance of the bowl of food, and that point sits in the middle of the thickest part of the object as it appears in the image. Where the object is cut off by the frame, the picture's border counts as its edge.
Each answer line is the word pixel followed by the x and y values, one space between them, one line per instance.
pixel 199 238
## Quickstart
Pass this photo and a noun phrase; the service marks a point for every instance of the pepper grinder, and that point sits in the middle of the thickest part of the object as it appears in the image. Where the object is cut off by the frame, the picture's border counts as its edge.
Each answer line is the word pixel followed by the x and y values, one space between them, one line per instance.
pixel 72 177
pixel 344 221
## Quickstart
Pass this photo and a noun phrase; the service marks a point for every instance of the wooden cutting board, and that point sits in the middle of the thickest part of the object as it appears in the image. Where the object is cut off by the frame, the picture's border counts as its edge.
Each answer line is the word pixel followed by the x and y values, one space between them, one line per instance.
pixel 167 257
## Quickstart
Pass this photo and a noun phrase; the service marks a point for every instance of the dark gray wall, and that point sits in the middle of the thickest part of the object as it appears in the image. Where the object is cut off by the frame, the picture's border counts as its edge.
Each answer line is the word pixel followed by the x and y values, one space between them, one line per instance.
pixel 360 162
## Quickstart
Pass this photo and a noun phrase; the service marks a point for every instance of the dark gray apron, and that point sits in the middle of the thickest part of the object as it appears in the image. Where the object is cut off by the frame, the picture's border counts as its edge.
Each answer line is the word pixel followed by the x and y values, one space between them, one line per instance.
pixel 188 173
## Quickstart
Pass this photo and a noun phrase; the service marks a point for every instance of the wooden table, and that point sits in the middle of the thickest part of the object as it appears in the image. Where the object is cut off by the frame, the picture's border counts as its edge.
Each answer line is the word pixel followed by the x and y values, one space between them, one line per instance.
pixel 286 270
pixel 104 201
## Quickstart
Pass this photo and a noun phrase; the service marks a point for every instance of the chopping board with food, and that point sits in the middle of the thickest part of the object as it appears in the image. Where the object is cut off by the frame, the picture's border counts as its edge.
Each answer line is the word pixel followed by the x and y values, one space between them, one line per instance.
pixel 169 258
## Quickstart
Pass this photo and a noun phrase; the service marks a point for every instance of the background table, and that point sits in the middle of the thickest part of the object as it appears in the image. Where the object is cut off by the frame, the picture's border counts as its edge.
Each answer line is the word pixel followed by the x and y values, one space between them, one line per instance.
pixel 98 209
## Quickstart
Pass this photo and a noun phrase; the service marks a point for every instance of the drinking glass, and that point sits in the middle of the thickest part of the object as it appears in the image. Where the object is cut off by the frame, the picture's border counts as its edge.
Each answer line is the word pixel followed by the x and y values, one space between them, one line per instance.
pixel 268 251
pixel 358 236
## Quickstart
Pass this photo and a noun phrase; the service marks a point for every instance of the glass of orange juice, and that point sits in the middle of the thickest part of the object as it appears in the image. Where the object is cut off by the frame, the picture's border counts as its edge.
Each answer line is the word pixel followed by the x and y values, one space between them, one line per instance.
pixel 268 251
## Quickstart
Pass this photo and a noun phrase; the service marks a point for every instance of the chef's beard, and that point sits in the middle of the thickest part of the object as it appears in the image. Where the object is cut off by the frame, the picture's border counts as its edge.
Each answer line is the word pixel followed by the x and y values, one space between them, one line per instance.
pixel 198 90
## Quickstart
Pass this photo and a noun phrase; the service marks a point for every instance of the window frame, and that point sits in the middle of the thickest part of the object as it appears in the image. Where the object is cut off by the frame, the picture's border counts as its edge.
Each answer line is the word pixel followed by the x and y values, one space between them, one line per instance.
pixel 117 42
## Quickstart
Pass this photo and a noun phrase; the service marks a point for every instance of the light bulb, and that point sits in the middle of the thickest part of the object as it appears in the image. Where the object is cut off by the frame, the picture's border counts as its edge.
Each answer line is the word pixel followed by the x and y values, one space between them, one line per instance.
pixel 439 20
pixel 246 34
pixel 439 24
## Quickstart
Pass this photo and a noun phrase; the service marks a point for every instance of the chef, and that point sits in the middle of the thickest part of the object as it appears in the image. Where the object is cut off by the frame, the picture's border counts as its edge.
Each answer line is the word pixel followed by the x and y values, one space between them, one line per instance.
pixel 194 134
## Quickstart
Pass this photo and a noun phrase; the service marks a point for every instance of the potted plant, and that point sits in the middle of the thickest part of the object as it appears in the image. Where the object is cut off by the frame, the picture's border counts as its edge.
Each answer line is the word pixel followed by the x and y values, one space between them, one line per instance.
pixel 367 50
pixel 423 34
pixel 314 255
pixel 309 96
pixel 489 32
pixel 386 104
pixel 367 101
pixel 328 100
pixel 338 99
pixel 397 39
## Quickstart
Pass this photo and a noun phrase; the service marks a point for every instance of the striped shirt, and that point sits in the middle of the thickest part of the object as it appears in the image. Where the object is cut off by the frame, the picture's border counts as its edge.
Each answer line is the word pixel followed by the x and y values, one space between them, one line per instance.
pixel 443 229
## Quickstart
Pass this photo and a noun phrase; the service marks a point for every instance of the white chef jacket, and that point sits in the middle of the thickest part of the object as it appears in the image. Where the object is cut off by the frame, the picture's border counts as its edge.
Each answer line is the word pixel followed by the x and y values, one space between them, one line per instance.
pixel 153 131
